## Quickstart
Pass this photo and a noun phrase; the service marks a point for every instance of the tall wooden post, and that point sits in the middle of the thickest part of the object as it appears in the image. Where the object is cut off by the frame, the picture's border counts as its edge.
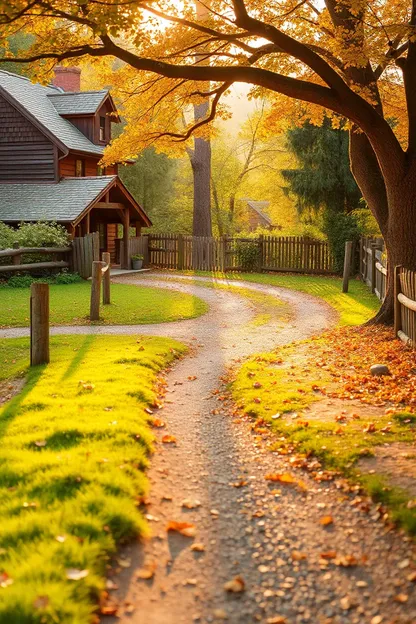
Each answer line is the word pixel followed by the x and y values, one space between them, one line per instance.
pixel 126 239
pixel 95 291
pixel 106 279
pixel 397 305
pixel 373 268
pixel 347 266
pixel 39 324
pixel 261 253
pixel 18 258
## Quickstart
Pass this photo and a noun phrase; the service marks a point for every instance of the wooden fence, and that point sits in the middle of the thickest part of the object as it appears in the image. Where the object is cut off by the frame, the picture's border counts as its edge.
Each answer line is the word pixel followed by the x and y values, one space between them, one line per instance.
pixel 85 251
pixel 405 305
pixel 17 254
pixel 265 253
pixel 373 267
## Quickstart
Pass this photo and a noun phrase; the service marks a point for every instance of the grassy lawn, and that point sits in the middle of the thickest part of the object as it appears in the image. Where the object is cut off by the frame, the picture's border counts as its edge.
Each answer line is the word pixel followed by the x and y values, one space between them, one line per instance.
pixel 69 305
pixel 275 389
pixel 355 307
pixel 74 448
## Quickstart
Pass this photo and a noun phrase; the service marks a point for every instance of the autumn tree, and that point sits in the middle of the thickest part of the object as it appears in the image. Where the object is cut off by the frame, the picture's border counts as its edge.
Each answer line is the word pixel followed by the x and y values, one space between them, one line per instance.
pixel 354 58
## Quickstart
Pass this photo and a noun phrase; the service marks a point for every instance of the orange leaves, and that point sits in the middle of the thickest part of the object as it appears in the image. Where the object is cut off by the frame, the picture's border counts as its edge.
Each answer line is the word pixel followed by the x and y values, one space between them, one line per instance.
pixel 169 439
pixel 147 572
pixel 157 423
pixel 370 428
pixel 326 520
pixel 236 585
pixel 285 478
pixel 184 528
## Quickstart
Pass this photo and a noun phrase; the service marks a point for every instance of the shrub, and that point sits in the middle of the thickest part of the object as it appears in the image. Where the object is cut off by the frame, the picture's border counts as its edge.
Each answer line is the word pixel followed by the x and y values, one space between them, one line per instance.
pixel 41 234
pixel 248 255
pixel 24 281
pixel 339 228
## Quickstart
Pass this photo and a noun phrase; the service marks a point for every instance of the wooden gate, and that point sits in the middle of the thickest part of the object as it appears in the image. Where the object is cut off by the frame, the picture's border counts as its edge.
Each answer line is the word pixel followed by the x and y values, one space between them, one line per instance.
pixel 85 250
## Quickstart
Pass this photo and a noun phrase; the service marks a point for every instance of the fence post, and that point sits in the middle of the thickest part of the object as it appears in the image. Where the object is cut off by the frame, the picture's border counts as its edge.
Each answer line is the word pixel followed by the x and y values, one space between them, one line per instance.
pixel 17 259
pixel 95 290
pixel 39 324
pixel 397 306
pixel 106 278
pixel 261 248
pixel 373 267
pixel 347 266
pixel 180 252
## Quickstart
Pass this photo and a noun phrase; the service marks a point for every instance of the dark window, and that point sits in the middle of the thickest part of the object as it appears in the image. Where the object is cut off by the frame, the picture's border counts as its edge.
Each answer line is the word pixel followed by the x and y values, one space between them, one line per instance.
pixel 80 168
pixel 100 170
pixel 102 129
pixel 102 230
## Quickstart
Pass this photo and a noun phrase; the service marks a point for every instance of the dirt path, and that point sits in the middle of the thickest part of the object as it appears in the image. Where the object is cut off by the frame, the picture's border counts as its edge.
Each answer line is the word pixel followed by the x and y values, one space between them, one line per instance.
pixel 256 530
pixel 269 534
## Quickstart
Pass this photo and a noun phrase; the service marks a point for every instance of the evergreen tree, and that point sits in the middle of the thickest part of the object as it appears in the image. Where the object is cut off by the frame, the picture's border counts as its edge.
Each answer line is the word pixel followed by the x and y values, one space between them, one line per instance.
pixel 323 183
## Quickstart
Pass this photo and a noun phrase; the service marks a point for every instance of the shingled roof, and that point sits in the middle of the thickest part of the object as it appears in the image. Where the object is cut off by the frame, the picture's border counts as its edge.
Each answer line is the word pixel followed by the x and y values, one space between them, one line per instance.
pixel 62 202
pixel 79 103
pixel 34 98
pixel 259 207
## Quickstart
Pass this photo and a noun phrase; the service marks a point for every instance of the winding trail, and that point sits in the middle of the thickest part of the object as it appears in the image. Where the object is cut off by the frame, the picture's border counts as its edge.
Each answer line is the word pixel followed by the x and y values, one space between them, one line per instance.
pixel 269 535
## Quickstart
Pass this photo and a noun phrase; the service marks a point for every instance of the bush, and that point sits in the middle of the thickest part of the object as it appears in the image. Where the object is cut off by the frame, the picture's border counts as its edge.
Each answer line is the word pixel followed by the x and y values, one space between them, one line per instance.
pixel 339 228
pixel 248 255
pixel 24 281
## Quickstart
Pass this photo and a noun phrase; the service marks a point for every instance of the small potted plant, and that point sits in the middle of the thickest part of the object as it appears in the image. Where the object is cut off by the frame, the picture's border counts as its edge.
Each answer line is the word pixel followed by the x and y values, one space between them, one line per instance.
pixel 137 261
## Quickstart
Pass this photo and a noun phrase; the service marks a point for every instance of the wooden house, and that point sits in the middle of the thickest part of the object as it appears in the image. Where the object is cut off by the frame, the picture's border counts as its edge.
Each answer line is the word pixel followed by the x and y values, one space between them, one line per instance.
pixel 51 142
pixel 257 215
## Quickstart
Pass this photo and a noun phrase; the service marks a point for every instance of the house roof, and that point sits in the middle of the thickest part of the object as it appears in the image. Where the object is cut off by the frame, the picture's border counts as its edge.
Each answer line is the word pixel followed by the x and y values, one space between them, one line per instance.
pixel 79 103
pixel 259 207
pixel 62 202
pixel 33 99
pixel 65 202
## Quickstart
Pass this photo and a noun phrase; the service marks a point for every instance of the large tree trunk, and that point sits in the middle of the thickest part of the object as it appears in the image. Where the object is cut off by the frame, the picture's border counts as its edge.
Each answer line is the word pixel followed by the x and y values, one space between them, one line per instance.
pixel 201 167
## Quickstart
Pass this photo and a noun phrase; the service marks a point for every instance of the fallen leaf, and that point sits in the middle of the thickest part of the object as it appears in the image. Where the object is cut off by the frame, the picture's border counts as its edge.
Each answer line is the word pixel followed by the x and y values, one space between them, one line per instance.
pixel 345 603
pixel 285 478
pixel 401 598
pixel 278 619
pixel 192 377
pixel 371 428
pixel 107 605
pixel 5 580
pixel 73 574
pixel 184 528
pixel 156 422
pixel 169 439
pixel 189 503
pixel 198 547
pixel 147 572
pixel 298 556
pixel 236 585
pixel 326 520
pixel 220 614
pixel 329 554
pixel 124 562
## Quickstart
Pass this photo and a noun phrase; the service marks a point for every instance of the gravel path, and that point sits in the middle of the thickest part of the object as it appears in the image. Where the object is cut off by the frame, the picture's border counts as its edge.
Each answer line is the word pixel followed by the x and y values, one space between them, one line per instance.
pixel 271 535
pixel 257 530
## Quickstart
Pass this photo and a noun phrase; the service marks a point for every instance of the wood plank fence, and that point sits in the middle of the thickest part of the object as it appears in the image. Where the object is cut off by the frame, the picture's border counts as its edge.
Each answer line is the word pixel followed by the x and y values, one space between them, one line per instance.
pixel 85 251
pixel 21 258
pixel 373 266
pixel 405 305
pixel 267 253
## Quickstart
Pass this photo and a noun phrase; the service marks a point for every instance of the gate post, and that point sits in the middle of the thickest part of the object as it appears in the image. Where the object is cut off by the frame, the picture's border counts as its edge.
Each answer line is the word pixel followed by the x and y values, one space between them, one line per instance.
pixel 39 324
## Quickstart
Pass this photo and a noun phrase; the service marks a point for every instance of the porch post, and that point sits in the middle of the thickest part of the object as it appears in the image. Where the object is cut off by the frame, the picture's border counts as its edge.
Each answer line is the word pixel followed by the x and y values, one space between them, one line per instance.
pixel 138 228
pixel 126 239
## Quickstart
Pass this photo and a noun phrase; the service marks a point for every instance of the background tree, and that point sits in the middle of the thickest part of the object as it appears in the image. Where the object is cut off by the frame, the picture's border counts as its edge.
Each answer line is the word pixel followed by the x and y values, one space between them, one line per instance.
pixel 322 182
pixel 343 57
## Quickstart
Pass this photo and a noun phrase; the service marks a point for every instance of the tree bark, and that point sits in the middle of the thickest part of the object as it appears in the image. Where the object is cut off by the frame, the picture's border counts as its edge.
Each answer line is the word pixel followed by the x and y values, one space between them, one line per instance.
pixel 201 167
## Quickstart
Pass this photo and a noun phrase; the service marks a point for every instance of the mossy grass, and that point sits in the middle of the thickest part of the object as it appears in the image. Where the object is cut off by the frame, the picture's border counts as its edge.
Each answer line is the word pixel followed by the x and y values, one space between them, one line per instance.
pixel 74 447
pixel 130 305
pixel 273 389
pixel 354 308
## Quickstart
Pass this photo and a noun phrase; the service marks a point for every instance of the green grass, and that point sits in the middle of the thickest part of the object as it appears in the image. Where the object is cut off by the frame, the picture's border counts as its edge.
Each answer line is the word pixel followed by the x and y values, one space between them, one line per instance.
pixel 354 308
pixel 267 384
pixel 69 305
pixel 72 463
pixel 267 308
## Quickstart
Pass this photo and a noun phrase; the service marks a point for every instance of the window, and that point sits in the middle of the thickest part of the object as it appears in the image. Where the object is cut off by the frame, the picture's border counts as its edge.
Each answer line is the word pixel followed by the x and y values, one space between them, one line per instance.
pixel 80 168
pixel 102 129
pixel 101 170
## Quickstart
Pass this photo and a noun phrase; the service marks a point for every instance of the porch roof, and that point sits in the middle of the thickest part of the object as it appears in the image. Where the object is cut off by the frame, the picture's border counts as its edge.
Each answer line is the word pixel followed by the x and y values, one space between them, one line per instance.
pixel 65 202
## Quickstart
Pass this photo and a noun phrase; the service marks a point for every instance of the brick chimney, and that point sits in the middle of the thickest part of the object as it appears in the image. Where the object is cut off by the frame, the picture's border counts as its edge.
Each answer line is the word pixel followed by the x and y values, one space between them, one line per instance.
pixel 67 78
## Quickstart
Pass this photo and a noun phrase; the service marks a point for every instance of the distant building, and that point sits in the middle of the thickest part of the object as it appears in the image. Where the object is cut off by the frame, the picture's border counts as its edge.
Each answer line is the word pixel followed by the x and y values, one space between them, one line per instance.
pixel 257 215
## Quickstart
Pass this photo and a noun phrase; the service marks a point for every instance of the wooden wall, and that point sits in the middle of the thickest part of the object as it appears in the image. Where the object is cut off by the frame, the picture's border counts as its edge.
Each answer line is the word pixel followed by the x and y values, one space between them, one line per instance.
pixel 26 155
pixel 67 166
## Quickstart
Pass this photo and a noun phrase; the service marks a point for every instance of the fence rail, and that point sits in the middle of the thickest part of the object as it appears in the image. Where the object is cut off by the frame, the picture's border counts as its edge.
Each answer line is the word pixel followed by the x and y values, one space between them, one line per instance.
pixel 265 253
pixel 18 252
pixel 373 269
pixel 405 305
